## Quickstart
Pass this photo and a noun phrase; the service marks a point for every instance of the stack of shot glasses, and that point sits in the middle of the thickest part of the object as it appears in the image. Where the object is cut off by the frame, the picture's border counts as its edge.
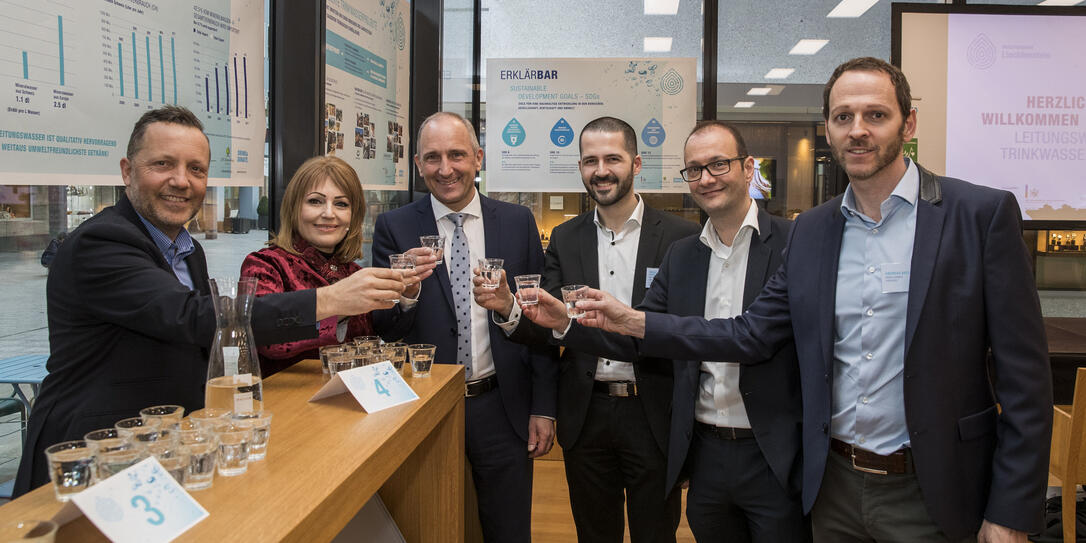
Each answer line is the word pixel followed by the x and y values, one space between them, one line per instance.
pixel 364 351
pixel 190 448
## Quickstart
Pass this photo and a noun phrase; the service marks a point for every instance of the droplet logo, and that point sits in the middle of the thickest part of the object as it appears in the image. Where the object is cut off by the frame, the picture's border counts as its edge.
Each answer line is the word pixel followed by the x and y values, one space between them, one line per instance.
pixel 981 53
pixel 653 134
pixel 513 134
pixel 671 82
pixel 562 133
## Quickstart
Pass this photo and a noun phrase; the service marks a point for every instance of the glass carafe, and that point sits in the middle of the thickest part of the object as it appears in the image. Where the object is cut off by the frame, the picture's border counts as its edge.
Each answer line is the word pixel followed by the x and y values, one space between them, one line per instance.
pixel 233 368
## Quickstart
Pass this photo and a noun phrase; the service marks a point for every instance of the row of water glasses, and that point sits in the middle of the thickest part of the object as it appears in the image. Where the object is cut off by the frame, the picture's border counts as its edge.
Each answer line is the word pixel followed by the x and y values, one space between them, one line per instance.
pixel 367 350
pixel 189 449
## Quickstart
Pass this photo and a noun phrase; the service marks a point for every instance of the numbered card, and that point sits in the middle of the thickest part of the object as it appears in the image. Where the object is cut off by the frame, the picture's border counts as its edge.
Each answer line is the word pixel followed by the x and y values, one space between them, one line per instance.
pixel 140 504
pixel 376 387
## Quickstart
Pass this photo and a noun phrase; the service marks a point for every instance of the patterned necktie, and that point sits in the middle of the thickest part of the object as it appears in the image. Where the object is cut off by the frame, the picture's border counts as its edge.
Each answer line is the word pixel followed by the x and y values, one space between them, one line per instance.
pixel 460 278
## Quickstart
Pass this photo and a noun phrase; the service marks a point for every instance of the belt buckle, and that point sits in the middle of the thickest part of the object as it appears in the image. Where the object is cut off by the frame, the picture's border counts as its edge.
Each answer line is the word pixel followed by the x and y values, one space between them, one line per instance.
pixel 621 389
pixel 852 454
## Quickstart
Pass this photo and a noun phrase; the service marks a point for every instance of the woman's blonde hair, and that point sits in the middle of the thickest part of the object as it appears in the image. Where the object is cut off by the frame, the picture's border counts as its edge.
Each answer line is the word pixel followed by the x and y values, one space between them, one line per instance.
pixel 310 174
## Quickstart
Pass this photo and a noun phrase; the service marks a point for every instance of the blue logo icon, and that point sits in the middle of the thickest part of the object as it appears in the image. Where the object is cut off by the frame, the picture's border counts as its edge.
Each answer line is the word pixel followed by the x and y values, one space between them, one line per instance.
pixel 671 82
pixel 513 135
pixel 562 133
pixel 653 134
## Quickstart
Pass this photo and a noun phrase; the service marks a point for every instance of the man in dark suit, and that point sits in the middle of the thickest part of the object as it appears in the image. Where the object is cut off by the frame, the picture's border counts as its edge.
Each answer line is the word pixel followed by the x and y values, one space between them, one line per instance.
pixel 510 392
pixel 926 386
pixel 735 432
pixel 130 312
pixel 612 415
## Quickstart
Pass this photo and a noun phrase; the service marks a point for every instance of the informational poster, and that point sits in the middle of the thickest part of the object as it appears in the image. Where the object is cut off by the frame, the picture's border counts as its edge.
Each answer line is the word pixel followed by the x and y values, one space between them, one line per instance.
pixel 75 76
pixel 1016 109
pixel 366 89
pixel 537 107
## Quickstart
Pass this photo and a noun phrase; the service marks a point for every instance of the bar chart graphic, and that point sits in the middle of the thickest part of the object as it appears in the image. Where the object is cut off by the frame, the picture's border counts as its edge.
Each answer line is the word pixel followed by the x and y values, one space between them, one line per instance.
pixel 139 63
pixel 225 86
pixel 33 39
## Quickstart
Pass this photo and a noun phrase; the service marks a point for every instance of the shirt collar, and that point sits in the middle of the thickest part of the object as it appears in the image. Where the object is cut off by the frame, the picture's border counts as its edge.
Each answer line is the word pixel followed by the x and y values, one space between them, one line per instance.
pixel 473 209
pixel 711 239
pixel 636 217
pixel 907 189
pixel 182 245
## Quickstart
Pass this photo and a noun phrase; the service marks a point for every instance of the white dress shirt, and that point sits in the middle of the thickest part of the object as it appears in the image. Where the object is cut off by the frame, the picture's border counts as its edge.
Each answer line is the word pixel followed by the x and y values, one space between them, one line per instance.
pixel 719 401
pixel 482 361
pixel 616 254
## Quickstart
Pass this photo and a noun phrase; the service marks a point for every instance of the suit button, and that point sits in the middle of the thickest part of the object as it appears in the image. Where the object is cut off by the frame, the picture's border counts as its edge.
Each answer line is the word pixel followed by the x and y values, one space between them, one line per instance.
pixel 588 374
pixel 825 428
pixel 827 377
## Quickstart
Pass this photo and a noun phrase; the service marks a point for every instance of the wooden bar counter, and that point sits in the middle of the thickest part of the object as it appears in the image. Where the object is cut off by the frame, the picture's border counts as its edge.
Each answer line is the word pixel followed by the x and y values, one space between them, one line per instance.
pixel 325 460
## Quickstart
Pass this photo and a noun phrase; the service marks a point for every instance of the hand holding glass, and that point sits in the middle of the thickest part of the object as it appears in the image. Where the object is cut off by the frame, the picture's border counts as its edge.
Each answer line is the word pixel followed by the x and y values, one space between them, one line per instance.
pixel 570 295
pixel 527 286
pixel 435 244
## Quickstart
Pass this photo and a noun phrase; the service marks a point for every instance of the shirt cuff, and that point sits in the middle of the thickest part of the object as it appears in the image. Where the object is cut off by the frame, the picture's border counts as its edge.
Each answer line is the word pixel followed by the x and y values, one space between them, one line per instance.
pixel 564 332
pixel 407 303
pixel 545 417
pixel 510 324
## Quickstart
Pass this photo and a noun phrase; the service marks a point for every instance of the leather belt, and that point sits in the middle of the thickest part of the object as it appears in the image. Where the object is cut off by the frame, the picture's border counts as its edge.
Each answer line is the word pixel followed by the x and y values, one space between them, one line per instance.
pixel 480 386
pixel 898 462
pixel 620 389
pixel 722 432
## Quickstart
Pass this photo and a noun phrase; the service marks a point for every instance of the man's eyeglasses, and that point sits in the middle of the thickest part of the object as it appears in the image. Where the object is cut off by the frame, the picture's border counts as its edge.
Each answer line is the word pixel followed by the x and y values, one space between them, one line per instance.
pixel 717 167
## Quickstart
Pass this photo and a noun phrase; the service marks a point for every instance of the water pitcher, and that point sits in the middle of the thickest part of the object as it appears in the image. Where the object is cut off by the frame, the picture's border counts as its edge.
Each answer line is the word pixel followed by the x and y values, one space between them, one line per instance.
pixel 233 369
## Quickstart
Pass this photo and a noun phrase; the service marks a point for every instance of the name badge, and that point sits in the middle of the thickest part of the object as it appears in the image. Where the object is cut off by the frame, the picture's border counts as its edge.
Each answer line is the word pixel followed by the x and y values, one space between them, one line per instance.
pixel 141 503
pixel 376 387
pixel 650 274
pixel 895 277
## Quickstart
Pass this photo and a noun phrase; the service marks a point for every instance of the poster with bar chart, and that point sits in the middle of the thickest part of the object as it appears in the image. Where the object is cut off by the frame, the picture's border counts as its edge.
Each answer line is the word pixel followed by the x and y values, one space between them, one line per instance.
pixel 76 74
pixel 367 75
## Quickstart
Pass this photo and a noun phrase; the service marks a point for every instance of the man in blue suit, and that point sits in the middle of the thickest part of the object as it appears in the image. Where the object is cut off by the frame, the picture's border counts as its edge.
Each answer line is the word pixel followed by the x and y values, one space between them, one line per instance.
pixel 511 388
pixel 923 363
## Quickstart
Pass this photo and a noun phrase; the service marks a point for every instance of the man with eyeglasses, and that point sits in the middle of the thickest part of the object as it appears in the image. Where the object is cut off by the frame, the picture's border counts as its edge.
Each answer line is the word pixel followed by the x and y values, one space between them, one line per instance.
pixel 927 390
pixel 735 431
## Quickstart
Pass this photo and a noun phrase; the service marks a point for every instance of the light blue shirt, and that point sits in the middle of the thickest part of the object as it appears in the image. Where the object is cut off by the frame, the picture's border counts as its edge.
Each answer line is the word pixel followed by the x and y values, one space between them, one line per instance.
pixel 873 272
pixel 174 251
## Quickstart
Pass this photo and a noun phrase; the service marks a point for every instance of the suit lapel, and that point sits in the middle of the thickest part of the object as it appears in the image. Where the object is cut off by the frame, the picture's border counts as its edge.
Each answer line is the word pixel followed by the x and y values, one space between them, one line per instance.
pixel 590 258
pixel 929 232
pixel 648 252
pixel 827 283
pixel 758 259
pixel 428 227
pixel 692 295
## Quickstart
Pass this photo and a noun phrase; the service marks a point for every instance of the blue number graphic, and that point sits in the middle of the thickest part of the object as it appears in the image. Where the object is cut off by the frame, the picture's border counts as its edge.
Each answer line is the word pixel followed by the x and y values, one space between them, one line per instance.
pixel 155 520
pixel 381 388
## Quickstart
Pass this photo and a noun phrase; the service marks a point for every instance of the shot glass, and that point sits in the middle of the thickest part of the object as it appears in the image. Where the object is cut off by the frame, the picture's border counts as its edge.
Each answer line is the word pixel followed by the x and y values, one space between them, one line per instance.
pixel 104 440
pixel 173 457
pixel 233 450
pixel 367 342
pixel 29 531
pixel 111 462
pixel 139 430
pixel 491 271
pixel 210 417
pixel 202 447
pixel 340 362
pixel 422 357
pixel 168 415
pixel 71 465
pixel 366 358
pixel 396 353
pixel 329 350
pixel 260 424
pixel 528 288
pixel 570 295
pixel 435 244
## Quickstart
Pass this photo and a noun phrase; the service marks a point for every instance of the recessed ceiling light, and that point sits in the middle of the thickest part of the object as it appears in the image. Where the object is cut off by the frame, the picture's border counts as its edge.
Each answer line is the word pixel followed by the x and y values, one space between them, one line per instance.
pixel 779 73
pixel 657 45
pixel 744 104
pixel 661 7
pixel 808 47
pixel 852 8
pixel 1060 3
pixel 759 91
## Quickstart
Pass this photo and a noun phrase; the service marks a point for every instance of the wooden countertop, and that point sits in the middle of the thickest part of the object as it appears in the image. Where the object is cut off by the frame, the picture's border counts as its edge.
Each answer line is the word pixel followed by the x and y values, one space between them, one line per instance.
pixel 325 459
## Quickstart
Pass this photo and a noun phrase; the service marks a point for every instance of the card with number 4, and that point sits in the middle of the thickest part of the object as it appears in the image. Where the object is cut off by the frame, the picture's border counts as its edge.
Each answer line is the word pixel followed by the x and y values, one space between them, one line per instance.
pixel 376 387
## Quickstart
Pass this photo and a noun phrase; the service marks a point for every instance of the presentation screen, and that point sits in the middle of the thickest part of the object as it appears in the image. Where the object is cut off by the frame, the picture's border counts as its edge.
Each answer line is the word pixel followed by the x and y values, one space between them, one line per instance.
pixel 1001 101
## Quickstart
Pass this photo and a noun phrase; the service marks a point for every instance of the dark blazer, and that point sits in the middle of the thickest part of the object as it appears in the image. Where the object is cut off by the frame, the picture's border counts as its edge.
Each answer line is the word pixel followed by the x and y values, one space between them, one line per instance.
pixel 770 390
pixel 971 290
pixel 572 258
pixel 526 375
pixel 125 334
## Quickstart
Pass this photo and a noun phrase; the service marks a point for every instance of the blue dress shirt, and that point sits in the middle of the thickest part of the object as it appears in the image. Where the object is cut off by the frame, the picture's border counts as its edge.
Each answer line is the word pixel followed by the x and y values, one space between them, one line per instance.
pixel 869 333
pixel 174 251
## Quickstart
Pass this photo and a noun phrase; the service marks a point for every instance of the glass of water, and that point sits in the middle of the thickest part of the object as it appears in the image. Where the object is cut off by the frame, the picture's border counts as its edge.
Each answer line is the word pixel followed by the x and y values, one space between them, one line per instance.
pixel 166 414
pixel 435 244
pixel 202 447
pixel 422 358
pixel 340 362
pixel 528 288
pixel 329 350
pixel 396 353
pixel 71 465
pixel 570 295
pixel 491 271
pixel 260 424
pixel 116 459
pixel 139 430
pixel 233 450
